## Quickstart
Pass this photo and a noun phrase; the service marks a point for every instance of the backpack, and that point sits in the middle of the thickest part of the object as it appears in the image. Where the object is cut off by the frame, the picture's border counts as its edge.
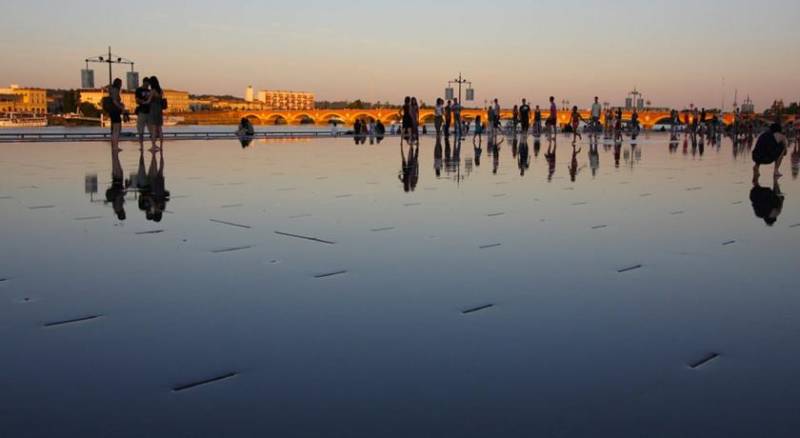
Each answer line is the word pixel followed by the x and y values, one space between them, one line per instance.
pixel 767 149
pixel 108 105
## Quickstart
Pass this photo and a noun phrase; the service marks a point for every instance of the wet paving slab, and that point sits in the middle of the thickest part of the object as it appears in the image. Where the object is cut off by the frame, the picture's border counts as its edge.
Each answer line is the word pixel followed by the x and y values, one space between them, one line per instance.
pixel 305 287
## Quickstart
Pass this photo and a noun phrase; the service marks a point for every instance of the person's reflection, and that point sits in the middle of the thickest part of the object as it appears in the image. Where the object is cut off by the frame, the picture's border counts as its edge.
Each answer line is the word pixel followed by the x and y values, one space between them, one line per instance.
pixel 767 202
pixel 524 160
pixel 617 153
pixel 437 156
pixel 795 160
pixel 477 150
pixel 550 156
pixel 115 194
pixel 573 164
pixel 409 173
pixel 594 158
pixel 448 155
pixel 493 148
pixel 245 132
pixel 153 195
pixel 537 146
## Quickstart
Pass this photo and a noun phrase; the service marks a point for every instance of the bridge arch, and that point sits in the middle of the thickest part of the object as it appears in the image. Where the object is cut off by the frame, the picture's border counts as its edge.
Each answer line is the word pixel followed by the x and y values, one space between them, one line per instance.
pixel 303 119
pixel 363 116
pixel 254 119
pixel 275 119
pixel 427 117
pixel 330 117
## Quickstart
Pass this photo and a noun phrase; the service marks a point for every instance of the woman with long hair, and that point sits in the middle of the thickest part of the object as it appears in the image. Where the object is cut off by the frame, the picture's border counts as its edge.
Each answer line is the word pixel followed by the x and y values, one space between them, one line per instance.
pixel 156 102
pixel 415 118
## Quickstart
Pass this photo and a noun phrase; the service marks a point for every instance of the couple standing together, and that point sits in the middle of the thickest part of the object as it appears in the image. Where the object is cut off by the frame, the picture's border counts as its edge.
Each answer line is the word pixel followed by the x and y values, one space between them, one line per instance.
pixel 150 111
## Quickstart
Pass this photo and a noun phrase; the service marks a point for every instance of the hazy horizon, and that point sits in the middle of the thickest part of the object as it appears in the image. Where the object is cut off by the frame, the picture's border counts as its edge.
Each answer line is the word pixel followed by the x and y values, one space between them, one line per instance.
pixel 675 52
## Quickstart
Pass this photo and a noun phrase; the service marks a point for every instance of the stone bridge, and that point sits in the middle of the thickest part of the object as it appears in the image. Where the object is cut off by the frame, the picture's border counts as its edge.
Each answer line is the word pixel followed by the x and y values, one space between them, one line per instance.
pixel 647 118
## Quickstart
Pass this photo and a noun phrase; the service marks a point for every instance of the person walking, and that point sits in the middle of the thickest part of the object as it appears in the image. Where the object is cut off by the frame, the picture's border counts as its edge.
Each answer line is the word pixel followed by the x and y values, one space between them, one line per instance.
pixel 438 116
pixel 537 122
pixel 597 109
pixel 575 121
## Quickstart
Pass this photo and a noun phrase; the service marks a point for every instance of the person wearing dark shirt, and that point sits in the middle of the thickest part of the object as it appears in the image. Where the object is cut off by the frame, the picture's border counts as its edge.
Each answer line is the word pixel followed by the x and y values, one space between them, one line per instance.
pixel 448 118
pixel 142 110
pixel 525 117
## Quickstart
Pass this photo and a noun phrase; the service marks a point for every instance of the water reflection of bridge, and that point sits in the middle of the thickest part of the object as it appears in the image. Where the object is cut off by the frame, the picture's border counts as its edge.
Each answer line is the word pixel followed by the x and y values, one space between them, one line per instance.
pixel 648 118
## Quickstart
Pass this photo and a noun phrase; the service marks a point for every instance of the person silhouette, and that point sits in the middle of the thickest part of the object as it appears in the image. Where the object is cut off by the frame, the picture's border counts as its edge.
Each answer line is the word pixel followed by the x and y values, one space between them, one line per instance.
pixel 437 155
pixel 115 194
pixel 523 157
pixel 409 172
pixel 767 202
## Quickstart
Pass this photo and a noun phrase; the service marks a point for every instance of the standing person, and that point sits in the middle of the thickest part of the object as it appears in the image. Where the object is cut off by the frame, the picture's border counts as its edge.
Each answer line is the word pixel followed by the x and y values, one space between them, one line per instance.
pixel 448 118
pixel 537 122
pixel 618 126
pixel 515 118
pixel 415 118
pixel 156 116
pixel 575 120
pixel 478 130
pixel 407 124
pixel 497 116
pixel 597 109
pixel 552 120
pixel 525 117
pixel 490 117
pixel 115 109
pixel 142 110
pixel 438 116
pixel 456 108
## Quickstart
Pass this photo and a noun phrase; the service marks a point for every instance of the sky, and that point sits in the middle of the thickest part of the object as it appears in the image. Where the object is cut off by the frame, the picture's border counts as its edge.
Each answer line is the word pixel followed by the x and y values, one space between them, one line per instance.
pixel 676 52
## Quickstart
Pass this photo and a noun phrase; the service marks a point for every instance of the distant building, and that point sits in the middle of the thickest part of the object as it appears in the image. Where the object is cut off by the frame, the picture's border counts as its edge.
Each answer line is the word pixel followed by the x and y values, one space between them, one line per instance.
pixel 16 99
pixel 748 107
pixel 286 100
pixel 177 101
pixel 248 94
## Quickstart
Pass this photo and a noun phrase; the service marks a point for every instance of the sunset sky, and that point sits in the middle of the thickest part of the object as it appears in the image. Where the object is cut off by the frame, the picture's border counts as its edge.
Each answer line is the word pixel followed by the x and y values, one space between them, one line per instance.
pixel 677 52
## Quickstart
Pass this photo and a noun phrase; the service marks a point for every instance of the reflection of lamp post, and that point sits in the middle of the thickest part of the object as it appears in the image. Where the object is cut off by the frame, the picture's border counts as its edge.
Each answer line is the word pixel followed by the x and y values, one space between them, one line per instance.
pixel 109 60
pixel 90 185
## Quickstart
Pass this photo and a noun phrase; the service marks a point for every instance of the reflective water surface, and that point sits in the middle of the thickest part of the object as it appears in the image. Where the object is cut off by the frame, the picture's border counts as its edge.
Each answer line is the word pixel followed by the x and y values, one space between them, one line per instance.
pixel 324 288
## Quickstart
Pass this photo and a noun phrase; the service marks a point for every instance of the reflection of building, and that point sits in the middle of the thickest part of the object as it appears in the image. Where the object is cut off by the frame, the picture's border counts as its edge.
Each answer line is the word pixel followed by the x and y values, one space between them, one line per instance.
pixel 286 100
pixel 177 101
pixel 16 99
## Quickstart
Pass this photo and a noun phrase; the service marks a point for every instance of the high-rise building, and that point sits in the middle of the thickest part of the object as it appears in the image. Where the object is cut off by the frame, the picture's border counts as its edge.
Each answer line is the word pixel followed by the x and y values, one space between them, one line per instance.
pixel 248 94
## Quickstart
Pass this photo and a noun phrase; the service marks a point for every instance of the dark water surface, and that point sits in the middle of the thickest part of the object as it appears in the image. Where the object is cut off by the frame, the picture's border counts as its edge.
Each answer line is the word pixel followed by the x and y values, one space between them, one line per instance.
pixel 296 289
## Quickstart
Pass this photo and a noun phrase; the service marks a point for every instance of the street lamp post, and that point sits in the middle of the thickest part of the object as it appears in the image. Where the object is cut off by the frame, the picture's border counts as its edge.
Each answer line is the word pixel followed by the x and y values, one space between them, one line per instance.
pixel 109 59
pixel 461 81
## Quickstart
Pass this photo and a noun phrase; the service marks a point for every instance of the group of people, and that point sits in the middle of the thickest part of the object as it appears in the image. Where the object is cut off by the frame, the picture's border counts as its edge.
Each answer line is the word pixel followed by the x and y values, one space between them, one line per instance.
pixel 149 111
